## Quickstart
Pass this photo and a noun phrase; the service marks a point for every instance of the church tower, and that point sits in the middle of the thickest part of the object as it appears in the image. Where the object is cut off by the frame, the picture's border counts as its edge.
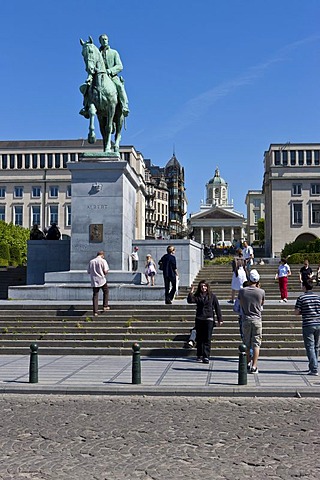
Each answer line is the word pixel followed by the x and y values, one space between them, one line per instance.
pixel 217 191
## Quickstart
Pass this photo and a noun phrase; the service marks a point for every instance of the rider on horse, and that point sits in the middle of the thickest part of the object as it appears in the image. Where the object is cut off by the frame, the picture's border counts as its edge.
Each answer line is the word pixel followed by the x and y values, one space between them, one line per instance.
pixel 113 65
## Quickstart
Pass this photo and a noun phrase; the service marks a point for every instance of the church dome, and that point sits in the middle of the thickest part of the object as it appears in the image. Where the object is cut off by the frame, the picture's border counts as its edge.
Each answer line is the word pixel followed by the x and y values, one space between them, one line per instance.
pixel 217 180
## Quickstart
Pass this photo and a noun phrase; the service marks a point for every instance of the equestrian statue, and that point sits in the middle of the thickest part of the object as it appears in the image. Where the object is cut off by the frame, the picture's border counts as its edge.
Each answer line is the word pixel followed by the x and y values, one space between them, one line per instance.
pixel 103 92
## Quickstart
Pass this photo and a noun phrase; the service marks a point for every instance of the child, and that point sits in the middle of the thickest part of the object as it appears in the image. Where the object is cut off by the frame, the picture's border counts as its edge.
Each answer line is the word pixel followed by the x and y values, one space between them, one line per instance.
pixel 150 270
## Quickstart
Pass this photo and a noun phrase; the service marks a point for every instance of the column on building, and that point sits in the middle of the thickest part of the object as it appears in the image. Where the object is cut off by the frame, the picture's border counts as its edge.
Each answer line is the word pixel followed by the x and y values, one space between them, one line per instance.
pixel 201 235
pixel 222 234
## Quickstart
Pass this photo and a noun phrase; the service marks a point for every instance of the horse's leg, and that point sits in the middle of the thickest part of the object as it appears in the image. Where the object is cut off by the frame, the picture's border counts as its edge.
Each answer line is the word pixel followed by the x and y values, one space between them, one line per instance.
pixel 91 134
pixel 109 122
pixel 119 123
pixel 102 124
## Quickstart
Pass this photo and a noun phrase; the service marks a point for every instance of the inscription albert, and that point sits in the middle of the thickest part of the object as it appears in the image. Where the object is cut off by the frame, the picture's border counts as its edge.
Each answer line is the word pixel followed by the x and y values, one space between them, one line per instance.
pixel 97 207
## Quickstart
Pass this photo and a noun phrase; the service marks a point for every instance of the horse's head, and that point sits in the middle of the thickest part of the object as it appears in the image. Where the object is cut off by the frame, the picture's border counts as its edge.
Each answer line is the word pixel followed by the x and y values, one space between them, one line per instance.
pixel 92 57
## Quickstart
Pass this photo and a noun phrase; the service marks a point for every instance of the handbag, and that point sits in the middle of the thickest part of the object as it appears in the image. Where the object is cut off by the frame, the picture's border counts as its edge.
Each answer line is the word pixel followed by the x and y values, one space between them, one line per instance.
pixel 236 306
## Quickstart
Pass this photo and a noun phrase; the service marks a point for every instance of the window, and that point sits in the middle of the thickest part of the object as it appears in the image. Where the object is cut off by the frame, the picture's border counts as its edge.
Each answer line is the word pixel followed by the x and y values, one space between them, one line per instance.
pixel 285 158
pixel 36 215
pixel 292 157
pixel 27 160
pixel 257 217
pixel 11 156
pixel 42 160
pixel 57 160
pixel 53 210
pixel 2 192
pixel 315 188
pixel 68 191
pixel 256 202
pixel 36 192
pixel 300 157
pixel 50 160
pixel 297 213
pixel 18 215
pixel 309 157
pixel 19 160
pixel 68 216
pixel 34 160
pixel 65 159
pixel 317 157
pixel 315 213
pixel 73 157
pixel 296 189
pixel 18 192
pixel 3 212
pixel 277 157
pixel 53 191
pixel 4 162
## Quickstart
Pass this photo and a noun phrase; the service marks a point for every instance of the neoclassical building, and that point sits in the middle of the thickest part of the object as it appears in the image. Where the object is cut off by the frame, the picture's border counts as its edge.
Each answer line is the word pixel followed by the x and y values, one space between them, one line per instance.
pixel 35 182
pixel 217 219
pixel 291 188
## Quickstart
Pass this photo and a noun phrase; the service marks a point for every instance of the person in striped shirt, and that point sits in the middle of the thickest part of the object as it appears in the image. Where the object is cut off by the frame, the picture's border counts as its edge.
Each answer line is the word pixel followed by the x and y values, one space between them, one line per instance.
pixel 308 306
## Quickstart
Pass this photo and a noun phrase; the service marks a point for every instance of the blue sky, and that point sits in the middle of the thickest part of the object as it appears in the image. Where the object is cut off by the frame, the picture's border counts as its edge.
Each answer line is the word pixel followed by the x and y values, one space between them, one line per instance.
pixel 217 81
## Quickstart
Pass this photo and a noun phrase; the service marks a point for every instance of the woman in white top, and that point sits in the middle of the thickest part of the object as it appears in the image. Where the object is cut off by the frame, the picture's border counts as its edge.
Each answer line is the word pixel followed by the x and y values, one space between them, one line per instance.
pixel 282 275
pixel 239 275
pixel 150 270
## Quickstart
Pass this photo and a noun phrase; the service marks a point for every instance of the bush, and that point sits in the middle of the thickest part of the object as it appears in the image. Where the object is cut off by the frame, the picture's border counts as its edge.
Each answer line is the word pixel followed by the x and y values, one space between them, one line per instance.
pixel 14 235
pixel 15 256
pixel 298 258
pixel 222 260
pixel 4 254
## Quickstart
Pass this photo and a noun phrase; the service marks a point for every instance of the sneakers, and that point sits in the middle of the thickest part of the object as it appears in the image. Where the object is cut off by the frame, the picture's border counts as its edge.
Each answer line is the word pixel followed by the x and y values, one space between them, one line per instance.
pixel 190 344
pixel 249 367
pixel 314 373
pixel 199 359
pixel 281 301
pixel 254 370
pixel 230 301
pixel 285 300
pixel 205 360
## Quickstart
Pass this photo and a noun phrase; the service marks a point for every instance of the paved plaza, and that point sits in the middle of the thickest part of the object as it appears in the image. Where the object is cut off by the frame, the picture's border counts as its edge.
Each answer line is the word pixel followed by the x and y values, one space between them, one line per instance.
pixel 158 438
pixel 167 375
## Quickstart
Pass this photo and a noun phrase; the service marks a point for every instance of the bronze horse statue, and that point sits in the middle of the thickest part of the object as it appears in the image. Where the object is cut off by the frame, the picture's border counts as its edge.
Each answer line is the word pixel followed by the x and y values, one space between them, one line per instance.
pixel 101 98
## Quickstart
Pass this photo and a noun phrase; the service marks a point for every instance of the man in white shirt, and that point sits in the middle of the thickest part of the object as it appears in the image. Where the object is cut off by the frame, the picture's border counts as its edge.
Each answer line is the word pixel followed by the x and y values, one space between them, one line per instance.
pixel 98 269
pixel 247 252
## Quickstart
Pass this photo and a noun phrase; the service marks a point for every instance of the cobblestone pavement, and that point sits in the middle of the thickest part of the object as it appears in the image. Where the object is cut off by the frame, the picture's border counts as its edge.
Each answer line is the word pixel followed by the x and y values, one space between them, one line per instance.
pixel 116 438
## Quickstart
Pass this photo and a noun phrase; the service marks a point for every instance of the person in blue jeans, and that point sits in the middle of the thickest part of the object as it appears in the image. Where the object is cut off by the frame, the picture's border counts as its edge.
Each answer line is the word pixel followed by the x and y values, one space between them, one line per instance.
pixel 308 306
pixel 207 308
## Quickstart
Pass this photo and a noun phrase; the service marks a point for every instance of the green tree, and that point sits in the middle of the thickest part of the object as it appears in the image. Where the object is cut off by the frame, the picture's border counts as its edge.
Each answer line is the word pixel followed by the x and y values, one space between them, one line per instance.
pixel 15 236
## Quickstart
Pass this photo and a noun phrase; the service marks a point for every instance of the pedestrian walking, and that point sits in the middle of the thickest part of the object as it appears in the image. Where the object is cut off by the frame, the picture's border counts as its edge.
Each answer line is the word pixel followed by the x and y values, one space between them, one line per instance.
pixel 305 272
pixel 135 259
pixel 251 301
pixel 168 265
pixel 207 308
pixel 248 255
pixel 98 269
pixel 282 276
pixel 239 275
pixel 150 270
pixel 308 306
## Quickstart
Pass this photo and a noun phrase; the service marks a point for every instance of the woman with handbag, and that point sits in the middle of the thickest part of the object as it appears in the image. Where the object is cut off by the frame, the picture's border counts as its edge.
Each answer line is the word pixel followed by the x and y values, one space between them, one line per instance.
pixel 207 307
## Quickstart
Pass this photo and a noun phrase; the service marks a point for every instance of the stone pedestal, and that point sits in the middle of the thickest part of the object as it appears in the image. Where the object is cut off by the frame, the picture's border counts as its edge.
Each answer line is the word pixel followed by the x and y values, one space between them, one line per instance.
pixel 103 211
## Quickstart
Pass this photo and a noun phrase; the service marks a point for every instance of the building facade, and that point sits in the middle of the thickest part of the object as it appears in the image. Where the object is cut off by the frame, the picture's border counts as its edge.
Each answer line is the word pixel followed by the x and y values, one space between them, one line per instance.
pixel 217 220
pixel 291 187
pixel 255 211
pixel 170 202
pixel 35 183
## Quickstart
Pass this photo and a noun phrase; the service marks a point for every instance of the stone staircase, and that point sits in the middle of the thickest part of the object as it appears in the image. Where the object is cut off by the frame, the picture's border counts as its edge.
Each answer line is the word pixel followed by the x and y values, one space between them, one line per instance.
pixel 160 329
pixel 11 276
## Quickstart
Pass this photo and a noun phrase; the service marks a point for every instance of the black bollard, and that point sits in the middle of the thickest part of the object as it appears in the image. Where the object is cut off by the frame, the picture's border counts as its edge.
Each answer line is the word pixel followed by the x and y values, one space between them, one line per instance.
pixel 136 364
pixel 242 369
pixel 33 370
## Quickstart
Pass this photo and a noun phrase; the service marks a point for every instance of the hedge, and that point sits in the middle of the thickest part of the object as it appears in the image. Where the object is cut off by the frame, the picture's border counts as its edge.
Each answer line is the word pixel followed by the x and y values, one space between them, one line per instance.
pixel 4 254
pixel 298 258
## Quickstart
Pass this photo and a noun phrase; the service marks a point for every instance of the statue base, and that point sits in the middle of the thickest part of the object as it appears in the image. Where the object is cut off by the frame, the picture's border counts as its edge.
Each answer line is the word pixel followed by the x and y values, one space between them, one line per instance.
pixel 100 156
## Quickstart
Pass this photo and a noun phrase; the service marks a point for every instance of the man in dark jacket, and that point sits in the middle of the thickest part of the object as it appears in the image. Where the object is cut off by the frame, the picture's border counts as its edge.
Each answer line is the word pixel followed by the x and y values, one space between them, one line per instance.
pixel 168 265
